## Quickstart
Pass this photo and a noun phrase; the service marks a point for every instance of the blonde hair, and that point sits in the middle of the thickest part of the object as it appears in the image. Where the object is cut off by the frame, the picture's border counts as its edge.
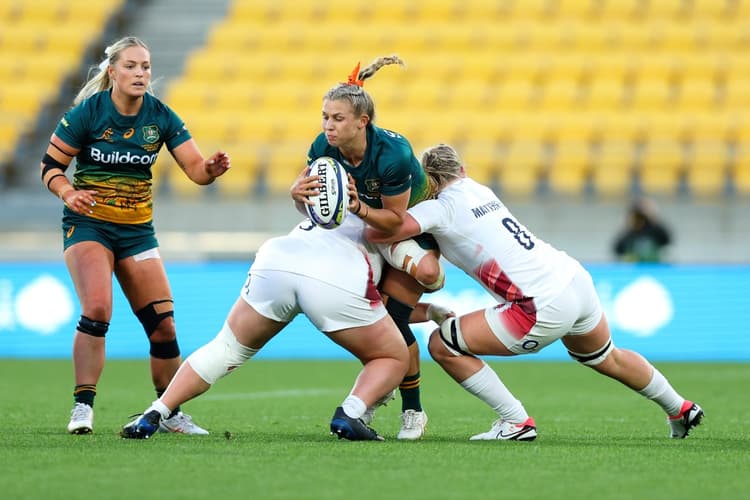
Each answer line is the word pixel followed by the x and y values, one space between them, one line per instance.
pixel 355 94
pixel 442 164
pixel 101 81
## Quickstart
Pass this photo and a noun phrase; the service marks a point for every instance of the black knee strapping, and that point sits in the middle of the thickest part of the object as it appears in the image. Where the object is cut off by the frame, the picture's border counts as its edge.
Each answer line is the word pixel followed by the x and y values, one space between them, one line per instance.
pixel 165 350
pixel 92 327
pixel 400 313
pixel 150 318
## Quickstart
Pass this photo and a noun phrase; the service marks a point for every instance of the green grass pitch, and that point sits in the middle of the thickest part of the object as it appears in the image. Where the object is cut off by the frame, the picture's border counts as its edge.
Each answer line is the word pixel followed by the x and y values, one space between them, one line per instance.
pixel 269 438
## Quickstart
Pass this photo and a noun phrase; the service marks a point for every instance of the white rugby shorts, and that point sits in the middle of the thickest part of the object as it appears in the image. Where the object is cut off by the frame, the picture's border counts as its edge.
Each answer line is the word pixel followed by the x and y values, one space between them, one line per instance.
pixel 281 295
pixel 575 311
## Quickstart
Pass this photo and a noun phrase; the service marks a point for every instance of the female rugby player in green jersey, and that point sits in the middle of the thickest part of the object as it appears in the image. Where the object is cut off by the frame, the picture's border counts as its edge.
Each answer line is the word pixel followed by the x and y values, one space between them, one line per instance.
pixel 115 131
pixel 385 179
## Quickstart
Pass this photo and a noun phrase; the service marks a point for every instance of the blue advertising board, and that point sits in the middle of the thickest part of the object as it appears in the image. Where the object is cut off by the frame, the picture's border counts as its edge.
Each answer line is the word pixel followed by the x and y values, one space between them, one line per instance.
pixel 665 312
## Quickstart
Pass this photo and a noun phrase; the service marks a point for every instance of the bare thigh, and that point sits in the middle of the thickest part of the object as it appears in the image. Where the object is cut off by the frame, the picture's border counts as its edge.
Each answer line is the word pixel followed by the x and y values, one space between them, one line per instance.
pixel 251 328
pixel 589 342
pixel 381 339
pixel 143 282
pixel 479 337
pixel 90 265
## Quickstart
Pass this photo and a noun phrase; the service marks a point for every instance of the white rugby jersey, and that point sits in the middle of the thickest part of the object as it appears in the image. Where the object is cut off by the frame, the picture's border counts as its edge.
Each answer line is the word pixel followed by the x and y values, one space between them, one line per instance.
pixel 340 256
pixel 477 232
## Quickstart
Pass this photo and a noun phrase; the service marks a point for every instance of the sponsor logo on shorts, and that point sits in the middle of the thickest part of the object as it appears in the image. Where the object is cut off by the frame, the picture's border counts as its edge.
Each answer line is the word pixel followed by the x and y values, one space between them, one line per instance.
pixel 69 232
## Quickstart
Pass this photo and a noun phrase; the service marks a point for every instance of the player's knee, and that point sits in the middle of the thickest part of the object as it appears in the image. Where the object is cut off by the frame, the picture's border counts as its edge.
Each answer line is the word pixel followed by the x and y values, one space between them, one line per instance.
pixel 157 319
pixel 92 327
pixel 595 358
pixel 452 338
pixel 430 273
pixel 220 356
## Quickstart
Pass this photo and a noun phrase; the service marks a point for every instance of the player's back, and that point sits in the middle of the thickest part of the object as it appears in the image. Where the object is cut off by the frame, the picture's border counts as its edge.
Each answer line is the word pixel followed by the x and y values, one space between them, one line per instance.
pixel 338 256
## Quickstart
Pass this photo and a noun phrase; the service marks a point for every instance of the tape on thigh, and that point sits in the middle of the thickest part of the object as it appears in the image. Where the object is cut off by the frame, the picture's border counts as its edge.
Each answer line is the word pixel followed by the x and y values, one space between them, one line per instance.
pixel 406 256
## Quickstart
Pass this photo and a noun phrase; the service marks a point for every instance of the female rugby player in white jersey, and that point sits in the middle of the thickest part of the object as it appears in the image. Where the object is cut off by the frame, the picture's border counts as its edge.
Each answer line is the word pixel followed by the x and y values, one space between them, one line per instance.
pixel 543 295
pixel 346 306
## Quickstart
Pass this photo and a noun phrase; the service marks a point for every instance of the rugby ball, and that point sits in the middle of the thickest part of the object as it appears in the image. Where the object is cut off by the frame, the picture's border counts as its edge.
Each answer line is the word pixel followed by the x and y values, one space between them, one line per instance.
pixel 331 204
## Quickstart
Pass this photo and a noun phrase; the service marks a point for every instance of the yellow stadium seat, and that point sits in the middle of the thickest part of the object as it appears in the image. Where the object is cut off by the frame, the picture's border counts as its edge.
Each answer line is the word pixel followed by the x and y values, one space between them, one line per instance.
pixel 621 9
pixel 514 95
pixel 697 95
pixel 604 93
pixel 469 95
pixel 661 166
pixel 707 168
pixel 737 93
pixel 283 164
pixel 481 159
pixel 651 95
pixel 611 168
pixel 240 179
pixel 560 95
pixel 520 169
pixel 569 169
pixel 667 9
pixel 676 37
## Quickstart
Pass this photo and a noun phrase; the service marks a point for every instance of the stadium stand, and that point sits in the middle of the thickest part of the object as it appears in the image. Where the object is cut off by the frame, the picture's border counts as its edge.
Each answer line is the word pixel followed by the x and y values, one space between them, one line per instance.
pixel 599 97
pixel 608 97
pixel 42 42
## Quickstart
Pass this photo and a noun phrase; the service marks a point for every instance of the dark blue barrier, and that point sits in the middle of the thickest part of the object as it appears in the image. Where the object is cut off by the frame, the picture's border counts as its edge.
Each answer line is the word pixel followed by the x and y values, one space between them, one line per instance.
pixel 685 313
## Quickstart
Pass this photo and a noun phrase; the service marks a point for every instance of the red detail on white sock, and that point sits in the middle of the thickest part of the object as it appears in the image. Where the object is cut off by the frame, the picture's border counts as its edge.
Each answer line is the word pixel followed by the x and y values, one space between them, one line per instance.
pixel 686 405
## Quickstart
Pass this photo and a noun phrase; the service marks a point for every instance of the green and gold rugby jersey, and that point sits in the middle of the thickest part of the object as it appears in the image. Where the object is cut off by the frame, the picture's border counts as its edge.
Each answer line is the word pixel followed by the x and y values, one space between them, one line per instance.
pixel 389 167
pixel 117 153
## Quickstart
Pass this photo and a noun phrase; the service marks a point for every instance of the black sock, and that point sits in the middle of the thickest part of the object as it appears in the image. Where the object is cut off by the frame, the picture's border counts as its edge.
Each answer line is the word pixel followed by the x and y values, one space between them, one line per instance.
pixel 85 394
pixel 409 389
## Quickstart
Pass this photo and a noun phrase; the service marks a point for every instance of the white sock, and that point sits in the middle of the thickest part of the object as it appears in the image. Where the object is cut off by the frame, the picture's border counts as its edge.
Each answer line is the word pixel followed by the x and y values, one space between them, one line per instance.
pixel 353 406
pixel 487 386
pixel 661 392
pixel 161 408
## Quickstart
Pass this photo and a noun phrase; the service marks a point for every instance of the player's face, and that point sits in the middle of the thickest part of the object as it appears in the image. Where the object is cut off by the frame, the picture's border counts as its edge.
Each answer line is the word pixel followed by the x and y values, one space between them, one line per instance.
pixel 340 124
pixel 131 73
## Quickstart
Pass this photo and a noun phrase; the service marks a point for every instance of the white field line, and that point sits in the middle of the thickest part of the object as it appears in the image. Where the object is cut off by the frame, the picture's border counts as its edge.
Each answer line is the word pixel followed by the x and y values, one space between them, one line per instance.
pixel 289 393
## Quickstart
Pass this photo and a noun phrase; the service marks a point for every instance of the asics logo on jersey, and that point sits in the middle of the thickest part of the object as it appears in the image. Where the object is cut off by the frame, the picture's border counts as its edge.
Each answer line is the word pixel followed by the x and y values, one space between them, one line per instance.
pixel 116 157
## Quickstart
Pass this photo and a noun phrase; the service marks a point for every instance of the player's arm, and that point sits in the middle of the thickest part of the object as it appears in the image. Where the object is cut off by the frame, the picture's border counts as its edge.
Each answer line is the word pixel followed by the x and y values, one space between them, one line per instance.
pixel 426 311
pixel 386 220
pixel 408 228
pixel 54 163
pixel 199 169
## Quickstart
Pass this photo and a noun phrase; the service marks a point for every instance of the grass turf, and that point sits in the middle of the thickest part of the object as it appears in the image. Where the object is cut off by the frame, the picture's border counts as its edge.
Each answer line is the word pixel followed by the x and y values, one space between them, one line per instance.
pixel 269 437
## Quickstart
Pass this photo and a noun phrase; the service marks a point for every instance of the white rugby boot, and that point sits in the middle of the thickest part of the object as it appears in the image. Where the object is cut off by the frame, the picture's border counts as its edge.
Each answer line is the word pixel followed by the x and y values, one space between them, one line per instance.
pixel 81 419
pixel 181 423
pixel 413 423
pixel 507 431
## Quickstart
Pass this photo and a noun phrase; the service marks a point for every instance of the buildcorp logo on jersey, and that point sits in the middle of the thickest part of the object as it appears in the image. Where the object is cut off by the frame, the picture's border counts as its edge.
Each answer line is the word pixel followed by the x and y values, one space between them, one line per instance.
pixel 117 158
